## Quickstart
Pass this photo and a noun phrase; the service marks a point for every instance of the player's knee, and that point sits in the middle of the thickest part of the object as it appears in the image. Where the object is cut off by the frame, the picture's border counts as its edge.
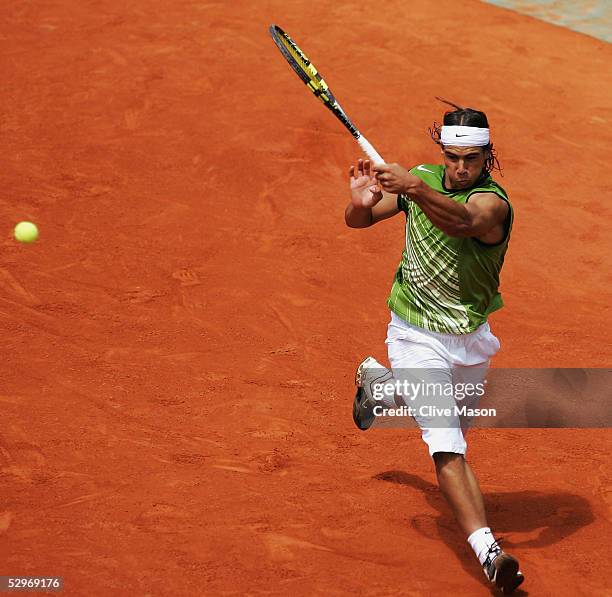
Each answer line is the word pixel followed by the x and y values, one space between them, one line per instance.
pixel 447 460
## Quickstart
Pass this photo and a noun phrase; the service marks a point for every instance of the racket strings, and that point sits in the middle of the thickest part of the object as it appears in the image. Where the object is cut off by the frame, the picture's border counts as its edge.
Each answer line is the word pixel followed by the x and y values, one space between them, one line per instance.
pixel 310 76
pixel 316 82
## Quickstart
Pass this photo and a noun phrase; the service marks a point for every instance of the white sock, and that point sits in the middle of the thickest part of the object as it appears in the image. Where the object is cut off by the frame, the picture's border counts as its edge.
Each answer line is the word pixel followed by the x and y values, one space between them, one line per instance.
pixel 480 541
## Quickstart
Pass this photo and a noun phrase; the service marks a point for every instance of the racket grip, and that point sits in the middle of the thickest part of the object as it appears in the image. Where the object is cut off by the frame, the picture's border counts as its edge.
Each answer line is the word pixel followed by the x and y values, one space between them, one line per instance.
pixel 369 150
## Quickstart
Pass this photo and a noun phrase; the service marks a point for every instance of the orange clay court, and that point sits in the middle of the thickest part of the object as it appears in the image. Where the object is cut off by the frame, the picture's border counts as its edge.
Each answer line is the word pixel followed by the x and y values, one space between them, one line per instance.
pixel 180 344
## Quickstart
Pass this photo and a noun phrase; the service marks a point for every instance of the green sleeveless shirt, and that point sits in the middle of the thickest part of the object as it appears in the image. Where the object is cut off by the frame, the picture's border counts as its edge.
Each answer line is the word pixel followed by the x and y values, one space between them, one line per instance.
pixel 445 284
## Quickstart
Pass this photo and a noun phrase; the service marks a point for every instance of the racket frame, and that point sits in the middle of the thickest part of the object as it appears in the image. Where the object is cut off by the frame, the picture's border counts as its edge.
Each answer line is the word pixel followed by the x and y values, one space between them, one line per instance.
pixel 313 80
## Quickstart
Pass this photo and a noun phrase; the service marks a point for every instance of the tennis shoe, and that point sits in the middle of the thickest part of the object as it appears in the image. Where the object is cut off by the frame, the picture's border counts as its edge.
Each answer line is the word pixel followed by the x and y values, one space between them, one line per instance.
pixel 502 570
pixel 369 372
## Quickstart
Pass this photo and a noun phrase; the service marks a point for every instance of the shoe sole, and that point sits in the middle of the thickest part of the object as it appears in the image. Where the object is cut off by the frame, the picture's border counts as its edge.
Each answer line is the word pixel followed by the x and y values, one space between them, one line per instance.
pixel 362 422
pixel 507 578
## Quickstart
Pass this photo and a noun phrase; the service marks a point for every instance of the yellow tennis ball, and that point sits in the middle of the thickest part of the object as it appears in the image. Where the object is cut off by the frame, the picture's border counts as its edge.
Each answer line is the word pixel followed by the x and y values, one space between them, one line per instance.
pixel 26 232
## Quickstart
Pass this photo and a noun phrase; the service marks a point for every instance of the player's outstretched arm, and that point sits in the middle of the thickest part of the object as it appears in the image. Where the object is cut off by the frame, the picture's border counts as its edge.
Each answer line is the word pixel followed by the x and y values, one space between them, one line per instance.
pixel 483 216
pixel 369 203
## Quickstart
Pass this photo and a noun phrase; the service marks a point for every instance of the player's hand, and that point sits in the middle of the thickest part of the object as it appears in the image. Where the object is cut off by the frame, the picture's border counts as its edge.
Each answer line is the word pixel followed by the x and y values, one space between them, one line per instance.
pixel 395 179
pixel 365 191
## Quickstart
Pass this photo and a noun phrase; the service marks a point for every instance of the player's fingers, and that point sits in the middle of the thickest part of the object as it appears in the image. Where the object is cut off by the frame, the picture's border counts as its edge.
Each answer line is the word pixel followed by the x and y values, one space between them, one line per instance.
pixel 366 167
pixel 352 171
pixel 381 168
pixel 360 166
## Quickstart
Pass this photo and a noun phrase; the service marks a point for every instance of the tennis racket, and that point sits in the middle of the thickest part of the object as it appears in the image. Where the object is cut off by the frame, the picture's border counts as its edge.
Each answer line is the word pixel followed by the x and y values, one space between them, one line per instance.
pixel 308 73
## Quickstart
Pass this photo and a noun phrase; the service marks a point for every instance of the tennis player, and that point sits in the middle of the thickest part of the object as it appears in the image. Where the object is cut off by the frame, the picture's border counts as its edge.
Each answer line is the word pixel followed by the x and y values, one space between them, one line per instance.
pixel 458 224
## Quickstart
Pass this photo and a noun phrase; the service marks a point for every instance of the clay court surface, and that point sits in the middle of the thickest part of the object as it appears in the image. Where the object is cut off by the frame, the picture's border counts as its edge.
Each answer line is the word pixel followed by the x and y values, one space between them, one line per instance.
pixel 179 346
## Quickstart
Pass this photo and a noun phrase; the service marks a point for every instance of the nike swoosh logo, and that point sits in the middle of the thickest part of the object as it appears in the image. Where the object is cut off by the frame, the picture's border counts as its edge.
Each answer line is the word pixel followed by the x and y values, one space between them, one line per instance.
pixel 421 167
pixel 456 135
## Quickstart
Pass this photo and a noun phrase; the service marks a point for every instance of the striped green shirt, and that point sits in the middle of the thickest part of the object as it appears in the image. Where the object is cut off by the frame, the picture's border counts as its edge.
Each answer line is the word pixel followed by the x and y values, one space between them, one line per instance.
pixel 445 284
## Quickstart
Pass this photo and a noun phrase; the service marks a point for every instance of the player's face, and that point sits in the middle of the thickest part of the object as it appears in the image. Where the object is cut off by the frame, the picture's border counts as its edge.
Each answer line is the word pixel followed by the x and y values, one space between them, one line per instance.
pixel 463 165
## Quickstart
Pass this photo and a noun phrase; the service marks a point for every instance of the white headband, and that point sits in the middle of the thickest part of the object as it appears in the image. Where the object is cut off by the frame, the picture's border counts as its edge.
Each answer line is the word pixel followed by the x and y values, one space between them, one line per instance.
pixel 464 136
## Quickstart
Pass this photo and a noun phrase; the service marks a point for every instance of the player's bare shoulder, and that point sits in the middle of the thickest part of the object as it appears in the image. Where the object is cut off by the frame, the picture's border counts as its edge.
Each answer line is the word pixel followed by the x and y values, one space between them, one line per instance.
pixel 491 211
pixel 488 200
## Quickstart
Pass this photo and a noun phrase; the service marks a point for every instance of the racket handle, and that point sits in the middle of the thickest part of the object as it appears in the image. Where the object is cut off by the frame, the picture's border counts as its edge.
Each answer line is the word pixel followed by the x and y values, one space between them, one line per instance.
pixel 369 150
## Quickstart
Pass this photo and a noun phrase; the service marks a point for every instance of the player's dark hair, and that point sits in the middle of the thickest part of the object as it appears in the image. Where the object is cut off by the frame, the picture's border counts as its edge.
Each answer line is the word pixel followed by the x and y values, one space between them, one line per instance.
pixel 466 117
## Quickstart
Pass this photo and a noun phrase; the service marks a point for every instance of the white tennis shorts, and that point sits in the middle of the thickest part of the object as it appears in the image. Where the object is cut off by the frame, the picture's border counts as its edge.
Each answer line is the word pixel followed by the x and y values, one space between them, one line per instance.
pixel 448 359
